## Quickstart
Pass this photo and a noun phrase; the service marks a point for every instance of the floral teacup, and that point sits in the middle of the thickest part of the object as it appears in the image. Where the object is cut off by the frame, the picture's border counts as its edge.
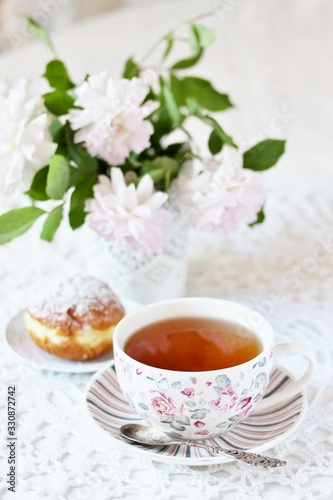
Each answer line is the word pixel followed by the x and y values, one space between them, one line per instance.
pixel 203 404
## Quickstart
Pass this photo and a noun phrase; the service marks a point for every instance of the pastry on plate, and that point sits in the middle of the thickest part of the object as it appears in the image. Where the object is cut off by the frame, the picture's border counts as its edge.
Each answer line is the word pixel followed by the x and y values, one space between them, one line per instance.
pixel 76 320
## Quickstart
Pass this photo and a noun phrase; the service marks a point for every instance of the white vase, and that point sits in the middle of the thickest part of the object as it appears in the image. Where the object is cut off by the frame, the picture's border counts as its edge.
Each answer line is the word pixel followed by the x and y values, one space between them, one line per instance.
pixel 145 279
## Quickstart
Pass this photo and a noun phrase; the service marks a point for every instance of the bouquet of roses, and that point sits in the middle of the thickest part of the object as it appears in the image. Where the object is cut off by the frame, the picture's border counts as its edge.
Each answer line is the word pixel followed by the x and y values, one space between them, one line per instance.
pixel 117 153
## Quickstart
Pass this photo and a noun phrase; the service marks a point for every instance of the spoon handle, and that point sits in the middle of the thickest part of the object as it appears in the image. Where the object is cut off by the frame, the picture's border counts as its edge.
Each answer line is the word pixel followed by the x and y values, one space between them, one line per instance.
pixel 243 456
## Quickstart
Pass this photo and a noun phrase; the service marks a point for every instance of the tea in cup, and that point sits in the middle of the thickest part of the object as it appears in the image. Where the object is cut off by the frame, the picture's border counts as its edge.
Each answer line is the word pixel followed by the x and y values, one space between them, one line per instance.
pixel 193 368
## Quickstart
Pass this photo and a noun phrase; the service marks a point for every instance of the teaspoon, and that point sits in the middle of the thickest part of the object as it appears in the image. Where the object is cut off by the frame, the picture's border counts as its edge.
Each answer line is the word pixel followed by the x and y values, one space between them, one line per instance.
pixel 148 435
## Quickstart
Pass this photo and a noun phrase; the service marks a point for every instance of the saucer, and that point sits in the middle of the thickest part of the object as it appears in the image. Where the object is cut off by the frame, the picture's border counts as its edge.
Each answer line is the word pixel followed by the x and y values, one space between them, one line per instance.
pixel 19 341
pixel 260 431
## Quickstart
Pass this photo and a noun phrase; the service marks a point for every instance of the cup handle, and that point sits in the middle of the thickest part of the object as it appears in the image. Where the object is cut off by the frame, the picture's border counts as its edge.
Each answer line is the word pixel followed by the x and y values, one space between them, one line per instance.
pixel 294 386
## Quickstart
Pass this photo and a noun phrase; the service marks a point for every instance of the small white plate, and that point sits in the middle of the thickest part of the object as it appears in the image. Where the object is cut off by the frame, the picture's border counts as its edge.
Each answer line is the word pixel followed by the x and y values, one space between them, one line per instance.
pixel 109 409
pixel 19 341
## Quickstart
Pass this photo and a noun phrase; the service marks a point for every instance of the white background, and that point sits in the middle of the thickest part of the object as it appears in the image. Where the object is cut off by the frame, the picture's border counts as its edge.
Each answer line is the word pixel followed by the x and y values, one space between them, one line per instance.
pixel 269 56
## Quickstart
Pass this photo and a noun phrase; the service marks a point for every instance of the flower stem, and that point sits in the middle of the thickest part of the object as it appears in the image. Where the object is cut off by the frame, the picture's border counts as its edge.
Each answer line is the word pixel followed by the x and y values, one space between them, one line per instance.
pixel 171 33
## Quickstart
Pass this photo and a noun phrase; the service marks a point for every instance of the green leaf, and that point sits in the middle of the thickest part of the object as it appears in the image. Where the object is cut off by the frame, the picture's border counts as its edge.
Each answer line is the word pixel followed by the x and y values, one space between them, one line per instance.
pixel 79 154
pixel 56 129
pixel 189 61
pixel 200 37
pixel 206 36
pixel 162 124
pixel 132 162
pixel 170 103
pixel 206 96
pixel 162 169
pixel 194 38
pixel 260 218
pixel 193 107
pixel 196 47
pixel 81 193
pixel 263 155
pixel 82 158
pixel 174 148
pixel 17 221
pixel 58 177
pixel 157 174
pixel 169 46
pixel 37 190
pixel 58 102
pixel 225 138
pixel 131 69
pixel 168 164
pixel 51 224
pixel 57 75
pixel 178 90
pixel 215 143
pixel 40 33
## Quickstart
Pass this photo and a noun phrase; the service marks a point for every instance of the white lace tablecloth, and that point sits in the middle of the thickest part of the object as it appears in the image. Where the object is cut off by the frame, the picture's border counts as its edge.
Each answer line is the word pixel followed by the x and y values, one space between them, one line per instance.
pixel 283 268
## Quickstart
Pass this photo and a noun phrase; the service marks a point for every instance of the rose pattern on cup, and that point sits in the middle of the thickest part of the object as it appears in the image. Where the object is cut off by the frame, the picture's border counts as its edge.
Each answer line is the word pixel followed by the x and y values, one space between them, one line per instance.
pixel 203 404
pixel 163 404
pixel 178 407
pixel 188 391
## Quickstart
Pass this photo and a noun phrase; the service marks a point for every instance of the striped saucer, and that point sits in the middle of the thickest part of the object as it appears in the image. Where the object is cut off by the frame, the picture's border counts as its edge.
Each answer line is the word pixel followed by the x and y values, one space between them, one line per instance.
pixel 109 409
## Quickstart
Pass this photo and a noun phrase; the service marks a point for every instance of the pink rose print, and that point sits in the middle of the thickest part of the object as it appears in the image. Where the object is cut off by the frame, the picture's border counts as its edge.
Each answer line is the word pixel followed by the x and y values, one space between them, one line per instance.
pixel 245 406
pixel 138 371
pixel 188 392
pixel 226 399
pixel 208 383
pixel 199 424
pixel 244 403
pixel 163 405
pixel 203 432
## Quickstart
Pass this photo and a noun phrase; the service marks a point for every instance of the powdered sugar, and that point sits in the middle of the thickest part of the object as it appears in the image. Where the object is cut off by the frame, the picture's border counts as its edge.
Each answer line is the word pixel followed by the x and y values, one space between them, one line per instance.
pixel 79 302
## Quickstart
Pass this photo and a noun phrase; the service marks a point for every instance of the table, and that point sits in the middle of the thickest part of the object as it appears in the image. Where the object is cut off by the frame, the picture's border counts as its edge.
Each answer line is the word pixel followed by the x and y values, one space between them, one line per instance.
pixel 276 268
pixel 64 456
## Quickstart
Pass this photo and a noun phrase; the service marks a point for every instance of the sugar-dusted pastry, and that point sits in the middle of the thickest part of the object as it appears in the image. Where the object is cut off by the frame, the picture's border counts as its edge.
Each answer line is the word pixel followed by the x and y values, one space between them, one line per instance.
pixel 76 320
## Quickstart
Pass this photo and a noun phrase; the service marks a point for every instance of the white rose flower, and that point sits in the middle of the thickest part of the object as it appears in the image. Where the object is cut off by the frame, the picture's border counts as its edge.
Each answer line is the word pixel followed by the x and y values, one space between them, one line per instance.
pixel 129 215
pixel 219 196
pixel 25 141
pixel 112 122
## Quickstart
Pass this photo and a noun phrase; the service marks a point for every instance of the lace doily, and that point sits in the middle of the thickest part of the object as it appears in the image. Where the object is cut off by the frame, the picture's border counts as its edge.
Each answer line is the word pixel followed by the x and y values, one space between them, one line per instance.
pixel 282 268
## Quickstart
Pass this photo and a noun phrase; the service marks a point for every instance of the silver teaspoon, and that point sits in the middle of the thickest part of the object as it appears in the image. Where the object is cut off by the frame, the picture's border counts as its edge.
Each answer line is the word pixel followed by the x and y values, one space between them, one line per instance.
pixel 148 435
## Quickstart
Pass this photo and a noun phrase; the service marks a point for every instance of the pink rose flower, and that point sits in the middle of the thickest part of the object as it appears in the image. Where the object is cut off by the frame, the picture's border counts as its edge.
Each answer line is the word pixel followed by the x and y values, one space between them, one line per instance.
pixel 199 424
pixel 226 399
pixel 129 215
pixel 25 141
pixel 163 405
pixel 110 117
pixel 220 197
pixel 203 432
pixel 244 405
pixel 188 392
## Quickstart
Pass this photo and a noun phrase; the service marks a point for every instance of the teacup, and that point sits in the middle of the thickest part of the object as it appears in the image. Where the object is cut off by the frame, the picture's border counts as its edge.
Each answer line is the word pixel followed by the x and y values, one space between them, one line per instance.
pixel 203 404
